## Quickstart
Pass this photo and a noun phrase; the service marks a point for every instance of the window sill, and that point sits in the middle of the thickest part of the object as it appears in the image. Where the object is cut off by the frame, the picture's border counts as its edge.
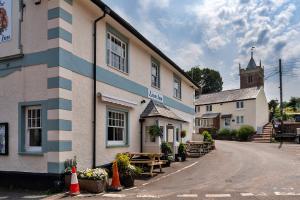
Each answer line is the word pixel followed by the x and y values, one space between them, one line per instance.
pixel 158 88
pixel 117 146
pixel 114 68
pixel 27 153
pixel 177 98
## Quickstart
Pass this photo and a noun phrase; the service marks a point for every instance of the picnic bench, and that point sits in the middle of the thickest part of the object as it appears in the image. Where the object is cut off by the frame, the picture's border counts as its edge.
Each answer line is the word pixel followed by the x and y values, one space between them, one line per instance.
pixel 149 159
pixel 198 148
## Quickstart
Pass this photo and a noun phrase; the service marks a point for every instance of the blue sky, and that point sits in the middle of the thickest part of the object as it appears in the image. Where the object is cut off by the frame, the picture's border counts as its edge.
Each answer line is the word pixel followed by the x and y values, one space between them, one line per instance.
pixel 219 34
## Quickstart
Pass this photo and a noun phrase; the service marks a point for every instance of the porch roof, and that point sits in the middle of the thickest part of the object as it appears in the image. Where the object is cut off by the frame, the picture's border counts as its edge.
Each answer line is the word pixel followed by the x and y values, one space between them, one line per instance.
pixel 210 115
pixel 226 116
pixel 156 109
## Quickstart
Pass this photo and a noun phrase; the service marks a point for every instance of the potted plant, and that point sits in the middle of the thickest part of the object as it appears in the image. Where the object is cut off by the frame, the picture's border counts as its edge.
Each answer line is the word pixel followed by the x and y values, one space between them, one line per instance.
pixel 182 134
pixel 166 149
pixel 69 163
pixel 127 171
pixel 154 131
pixel 93 180
pixel 182 152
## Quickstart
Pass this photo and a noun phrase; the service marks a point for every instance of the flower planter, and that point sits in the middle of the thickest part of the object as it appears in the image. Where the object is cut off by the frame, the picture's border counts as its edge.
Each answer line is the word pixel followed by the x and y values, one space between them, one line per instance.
pixel 92 186
pixel 68 180
pixel 127 181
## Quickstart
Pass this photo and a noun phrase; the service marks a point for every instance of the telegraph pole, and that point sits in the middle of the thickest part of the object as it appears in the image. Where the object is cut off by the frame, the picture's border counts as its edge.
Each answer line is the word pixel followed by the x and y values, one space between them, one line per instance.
pixel 280 87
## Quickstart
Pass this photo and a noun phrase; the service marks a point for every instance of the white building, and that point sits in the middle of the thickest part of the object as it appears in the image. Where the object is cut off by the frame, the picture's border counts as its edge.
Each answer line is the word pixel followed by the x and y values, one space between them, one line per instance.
pixel 65 93
pixel 233 108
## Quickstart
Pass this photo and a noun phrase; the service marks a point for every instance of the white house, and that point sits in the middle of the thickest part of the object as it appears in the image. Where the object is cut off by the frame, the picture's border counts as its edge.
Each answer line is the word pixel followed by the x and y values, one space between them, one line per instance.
pixel 233 108
pixel 75 79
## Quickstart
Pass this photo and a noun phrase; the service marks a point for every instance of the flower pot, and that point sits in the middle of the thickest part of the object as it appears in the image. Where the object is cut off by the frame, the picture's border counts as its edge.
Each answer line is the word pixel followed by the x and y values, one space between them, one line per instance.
pixel 127 181
pixel 92 186
pixel 183 157
pixel 68 180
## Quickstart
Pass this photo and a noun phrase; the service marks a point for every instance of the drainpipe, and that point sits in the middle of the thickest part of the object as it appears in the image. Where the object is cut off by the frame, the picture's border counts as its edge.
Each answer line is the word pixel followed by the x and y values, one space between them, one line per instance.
pixel 94 85
pixel 141 130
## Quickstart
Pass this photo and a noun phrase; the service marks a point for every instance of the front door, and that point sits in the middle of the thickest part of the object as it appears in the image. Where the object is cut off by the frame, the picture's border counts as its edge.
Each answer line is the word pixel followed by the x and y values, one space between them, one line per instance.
pixel 227 122
pixel 170 136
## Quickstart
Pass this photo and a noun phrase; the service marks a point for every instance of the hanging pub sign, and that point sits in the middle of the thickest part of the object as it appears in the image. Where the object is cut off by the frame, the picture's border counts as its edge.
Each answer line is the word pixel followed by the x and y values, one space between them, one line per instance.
pixel 3 138
pixel 5 20
pixel 155 96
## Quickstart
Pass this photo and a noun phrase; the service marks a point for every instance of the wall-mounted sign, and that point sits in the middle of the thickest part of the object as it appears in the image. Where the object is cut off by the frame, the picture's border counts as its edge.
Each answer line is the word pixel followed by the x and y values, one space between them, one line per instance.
pixel 155 96
pixel 5 20
pixel 3 138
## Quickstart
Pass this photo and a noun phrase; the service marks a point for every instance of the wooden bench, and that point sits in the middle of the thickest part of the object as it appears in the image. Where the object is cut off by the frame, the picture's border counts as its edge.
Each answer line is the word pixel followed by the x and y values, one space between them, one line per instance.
pixel 154 160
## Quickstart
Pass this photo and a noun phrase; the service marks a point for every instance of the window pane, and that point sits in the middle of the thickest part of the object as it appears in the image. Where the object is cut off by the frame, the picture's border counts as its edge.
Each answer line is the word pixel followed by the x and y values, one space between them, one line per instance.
pixel 110 133
pixel 118 134
pixel 35 137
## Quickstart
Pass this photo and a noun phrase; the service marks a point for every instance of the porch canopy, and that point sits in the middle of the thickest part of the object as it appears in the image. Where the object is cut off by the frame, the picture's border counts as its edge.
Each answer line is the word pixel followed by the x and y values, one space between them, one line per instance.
pixel 210 115
pixel 156 109
pixel 226 116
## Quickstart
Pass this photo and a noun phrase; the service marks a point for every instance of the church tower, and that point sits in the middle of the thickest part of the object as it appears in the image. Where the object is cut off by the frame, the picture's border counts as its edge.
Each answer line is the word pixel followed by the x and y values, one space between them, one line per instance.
pixel 253 75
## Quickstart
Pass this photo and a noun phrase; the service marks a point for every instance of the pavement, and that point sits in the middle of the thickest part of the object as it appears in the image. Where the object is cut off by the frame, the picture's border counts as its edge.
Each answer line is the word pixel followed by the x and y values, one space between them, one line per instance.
pixel 236 170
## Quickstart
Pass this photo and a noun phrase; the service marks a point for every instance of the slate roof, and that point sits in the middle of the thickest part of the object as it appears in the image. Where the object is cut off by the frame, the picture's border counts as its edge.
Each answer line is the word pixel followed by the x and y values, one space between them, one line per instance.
pixel 228 96
pixel 251 64
pixel 156 109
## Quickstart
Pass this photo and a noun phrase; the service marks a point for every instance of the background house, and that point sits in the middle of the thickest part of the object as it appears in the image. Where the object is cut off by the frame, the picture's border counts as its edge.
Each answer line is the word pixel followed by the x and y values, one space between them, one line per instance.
pixel 233 108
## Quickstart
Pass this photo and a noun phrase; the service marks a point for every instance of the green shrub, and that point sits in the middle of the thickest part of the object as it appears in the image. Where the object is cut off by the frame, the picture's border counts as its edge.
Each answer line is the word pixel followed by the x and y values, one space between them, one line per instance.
pixel 234 133
pixel 181 149
pixel 224 133
pixel 166 148
pixel 155 131
pixel 124 166
pixel 207 137
pixel 245 132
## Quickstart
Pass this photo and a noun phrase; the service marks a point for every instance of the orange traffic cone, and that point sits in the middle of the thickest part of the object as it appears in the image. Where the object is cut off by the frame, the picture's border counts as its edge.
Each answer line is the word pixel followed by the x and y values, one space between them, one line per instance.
pixel 115 183
pixel 74 187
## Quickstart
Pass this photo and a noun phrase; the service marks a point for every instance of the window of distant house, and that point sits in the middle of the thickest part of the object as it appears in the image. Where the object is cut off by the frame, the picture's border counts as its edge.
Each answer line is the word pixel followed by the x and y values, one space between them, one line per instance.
pixel 155 74
pixel 250 79
pixel 239 104
pixel 197 121
pixel 197 109
pixel 116 53
pixel 117 127
pixel 209 108
pixel 240 119
pixel 227 121
pixel 33 137
pixel 177 87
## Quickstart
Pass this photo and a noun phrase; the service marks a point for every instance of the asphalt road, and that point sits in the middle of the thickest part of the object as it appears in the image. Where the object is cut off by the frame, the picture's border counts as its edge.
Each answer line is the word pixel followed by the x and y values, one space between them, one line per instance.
pixel 234 171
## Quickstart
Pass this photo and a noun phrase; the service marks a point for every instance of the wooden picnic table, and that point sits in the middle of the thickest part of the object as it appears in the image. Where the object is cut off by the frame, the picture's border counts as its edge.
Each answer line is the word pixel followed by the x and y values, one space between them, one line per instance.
pixel 152 159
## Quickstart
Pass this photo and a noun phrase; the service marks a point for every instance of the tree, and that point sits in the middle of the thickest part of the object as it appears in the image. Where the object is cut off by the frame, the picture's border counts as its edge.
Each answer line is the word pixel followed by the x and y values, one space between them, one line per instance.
pixel 293 103
pixel 210 80
pixel 273 105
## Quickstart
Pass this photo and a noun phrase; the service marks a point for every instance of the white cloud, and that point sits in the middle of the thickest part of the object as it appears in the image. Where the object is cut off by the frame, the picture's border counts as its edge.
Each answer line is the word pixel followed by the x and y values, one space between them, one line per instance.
pixel 188 56
pixel 147 4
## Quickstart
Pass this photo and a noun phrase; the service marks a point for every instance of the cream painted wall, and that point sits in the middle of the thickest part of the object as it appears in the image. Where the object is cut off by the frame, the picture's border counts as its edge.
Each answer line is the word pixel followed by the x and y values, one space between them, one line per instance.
pixel 262 114
pixel 33 29
pixel 29 84
pixel 249 112
pixel 139 55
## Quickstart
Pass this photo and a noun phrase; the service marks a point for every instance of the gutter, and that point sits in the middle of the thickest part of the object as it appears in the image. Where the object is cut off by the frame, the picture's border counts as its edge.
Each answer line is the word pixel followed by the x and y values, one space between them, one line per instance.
pixel 137 34
pixel 105 11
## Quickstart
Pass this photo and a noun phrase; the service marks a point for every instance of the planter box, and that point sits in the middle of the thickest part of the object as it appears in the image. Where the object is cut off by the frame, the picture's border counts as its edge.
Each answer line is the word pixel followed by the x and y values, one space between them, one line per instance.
pixel 68 180
pixel 127 181
pixel 92 186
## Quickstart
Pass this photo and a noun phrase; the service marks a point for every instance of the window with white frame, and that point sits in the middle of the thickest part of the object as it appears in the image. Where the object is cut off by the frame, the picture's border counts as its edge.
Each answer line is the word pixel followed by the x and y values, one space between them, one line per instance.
pixel 197 121
pixel 208 108
pixel 177 87
pixel 155 74
pixel 207 123
pixel 117 127
pixel 33 137
pixel 197 110
pixel 239 104
pixel 239 119
pixel 116 53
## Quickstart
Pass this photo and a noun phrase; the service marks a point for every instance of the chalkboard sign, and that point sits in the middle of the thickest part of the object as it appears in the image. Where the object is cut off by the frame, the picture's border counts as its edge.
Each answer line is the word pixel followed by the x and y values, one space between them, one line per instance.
pixel 3 138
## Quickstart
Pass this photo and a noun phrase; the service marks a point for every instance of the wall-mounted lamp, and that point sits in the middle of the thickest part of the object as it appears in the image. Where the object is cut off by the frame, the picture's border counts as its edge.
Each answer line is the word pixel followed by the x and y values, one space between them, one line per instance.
pixel 37 2
pixel 143 101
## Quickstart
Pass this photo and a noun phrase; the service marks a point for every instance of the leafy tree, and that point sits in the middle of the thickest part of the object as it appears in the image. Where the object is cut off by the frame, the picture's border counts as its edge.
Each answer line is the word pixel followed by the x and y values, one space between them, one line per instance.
pixel 273 105
pixel 210 80
pixel 293 103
